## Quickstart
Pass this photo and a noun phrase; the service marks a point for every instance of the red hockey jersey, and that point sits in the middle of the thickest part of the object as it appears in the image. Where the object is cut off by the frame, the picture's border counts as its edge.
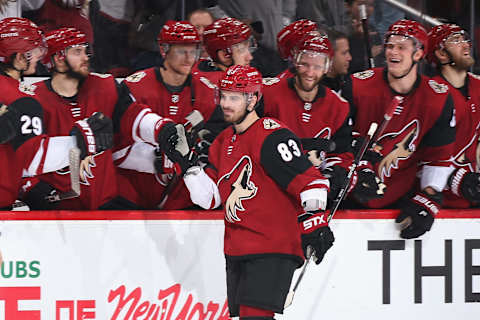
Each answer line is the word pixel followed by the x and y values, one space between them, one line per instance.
pixel 422 130
pixel 467 114
pixel 140 184
pixel 30 152
pixel 98 93
pixel 327 116
pixel 260 174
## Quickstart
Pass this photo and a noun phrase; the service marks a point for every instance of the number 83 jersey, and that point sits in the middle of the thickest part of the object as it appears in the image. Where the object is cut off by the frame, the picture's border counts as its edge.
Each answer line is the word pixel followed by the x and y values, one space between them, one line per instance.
pixel 260 174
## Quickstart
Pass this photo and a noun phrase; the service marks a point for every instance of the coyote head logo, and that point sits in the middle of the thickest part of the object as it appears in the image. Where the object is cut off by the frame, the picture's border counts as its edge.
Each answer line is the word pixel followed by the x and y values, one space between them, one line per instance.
pixel 242 188
pixel 404 146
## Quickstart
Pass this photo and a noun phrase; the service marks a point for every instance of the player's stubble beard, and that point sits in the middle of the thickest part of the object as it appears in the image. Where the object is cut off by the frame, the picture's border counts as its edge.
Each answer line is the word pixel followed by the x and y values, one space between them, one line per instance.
pixel 463 62
pixel 78 74
pixel 303 86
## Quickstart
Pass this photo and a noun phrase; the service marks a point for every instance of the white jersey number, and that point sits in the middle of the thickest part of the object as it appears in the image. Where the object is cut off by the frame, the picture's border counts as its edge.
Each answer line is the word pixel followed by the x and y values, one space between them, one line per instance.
pixel 287 152
pixel 31 125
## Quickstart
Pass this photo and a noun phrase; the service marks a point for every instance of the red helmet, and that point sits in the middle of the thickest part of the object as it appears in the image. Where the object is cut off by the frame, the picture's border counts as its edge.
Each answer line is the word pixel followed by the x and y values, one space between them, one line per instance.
pixel 410 29
pixel 437 37
pixel 290 36
pixel 61 39
pixel 244 79
pixel 178 32
pixel 314 44
pixel 19 35
pixel 223 33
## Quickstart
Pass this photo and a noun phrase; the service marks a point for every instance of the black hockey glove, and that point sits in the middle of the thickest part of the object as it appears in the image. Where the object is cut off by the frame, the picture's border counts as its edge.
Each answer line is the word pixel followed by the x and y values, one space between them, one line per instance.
pixel 201 148
pixel 173 142
pixel 417 216
pixel 317 149
pixel 9 123
pixel 316 234
pixel 35 196
pixel 337 176
pixel 365 183
pixel 465 184
pixel 370 155
pixel 93 135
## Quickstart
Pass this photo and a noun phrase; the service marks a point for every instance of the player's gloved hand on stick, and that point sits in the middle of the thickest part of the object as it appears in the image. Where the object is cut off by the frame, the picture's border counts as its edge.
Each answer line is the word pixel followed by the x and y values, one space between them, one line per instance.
pixel 9 123
pixel 418 215
pixel 370 155
pixel 317 149
pixel 94 134
pixel 365 184
pixel 173 142
pixel 465 184
pixel 315 234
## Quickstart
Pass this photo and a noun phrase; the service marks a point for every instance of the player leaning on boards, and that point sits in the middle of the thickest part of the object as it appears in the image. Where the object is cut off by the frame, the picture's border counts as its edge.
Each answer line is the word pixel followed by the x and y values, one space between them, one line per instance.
pixel 449 48
pixel 420 135
pixel 265 183
pixel 25 149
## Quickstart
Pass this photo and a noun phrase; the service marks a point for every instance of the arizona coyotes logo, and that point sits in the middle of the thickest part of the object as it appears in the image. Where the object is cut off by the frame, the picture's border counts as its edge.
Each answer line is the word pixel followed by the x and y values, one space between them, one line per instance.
pixel 85 172
pixel 402 150
pixel 461 159
pixel 242 188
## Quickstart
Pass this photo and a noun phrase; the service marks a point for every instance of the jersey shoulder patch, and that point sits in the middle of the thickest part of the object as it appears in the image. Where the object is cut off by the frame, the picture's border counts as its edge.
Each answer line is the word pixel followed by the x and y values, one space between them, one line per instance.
pixel 270 124
pixel 27 88
pixel 270 81
pixel 101 75
pixel 438 87
pixel 362 75
pixel 136 77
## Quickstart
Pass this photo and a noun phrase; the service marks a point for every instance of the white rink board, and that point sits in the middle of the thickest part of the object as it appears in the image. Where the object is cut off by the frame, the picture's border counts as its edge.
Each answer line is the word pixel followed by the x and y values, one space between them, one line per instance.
pixel 88 260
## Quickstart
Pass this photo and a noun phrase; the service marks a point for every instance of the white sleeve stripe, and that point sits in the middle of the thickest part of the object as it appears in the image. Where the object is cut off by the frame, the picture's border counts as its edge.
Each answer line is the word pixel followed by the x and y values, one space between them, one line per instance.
pixel 33 167
pixel 435 177
pixel 147 127
pixel 57 153
pixel 136 124
pixel 320 181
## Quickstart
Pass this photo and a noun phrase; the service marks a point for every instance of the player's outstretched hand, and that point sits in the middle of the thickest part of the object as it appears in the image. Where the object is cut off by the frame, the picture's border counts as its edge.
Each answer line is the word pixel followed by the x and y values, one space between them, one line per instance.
pixel 94 134
pixel 316 234
pixel 465 184
pixel 173 142
pixel 418 215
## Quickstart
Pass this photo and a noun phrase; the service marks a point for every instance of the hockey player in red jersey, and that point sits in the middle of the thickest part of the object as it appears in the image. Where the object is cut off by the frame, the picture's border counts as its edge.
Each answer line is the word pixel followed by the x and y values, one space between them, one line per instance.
pixel 70 96
pixel 228 42
pixel 449 49
pixel 170 92
pixel 25 149
pixel 289 37
pixel 318 116
pixel 420 135
pixel 272 196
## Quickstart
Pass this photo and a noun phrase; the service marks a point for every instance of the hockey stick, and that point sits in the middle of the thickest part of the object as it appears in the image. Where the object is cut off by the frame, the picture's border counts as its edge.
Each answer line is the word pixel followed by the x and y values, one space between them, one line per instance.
pixel 75 191
pixel 310 252
pixel 372 135
pixel 74 166
pixel 193 125
pixel 366 37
